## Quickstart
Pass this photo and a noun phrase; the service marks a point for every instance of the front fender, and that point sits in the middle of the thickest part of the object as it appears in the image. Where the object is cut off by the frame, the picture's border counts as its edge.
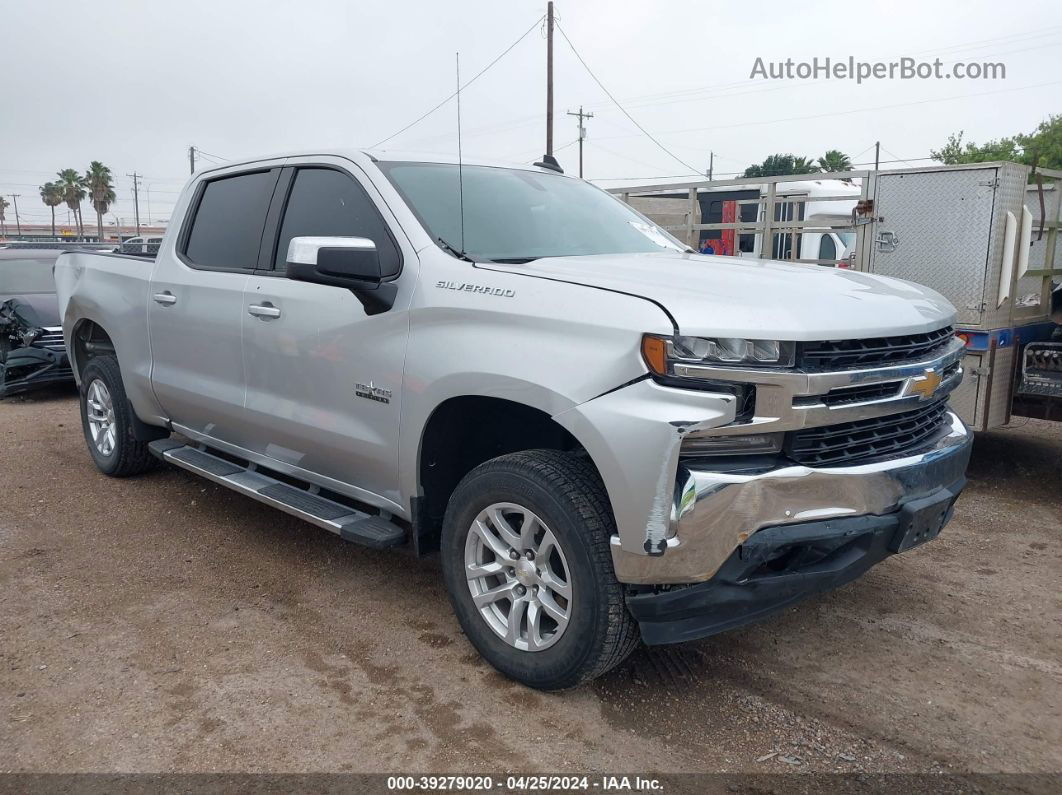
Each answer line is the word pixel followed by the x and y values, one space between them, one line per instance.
pixel 633 436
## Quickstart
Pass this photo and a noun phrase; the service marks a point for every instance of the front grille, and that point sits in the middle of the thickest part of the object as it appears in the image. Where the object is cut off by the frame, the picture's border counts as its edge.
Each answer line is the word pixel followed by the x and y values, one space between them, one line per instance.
pixel 862 440
pixel 845 395
pixel 873 352
pixel 52 339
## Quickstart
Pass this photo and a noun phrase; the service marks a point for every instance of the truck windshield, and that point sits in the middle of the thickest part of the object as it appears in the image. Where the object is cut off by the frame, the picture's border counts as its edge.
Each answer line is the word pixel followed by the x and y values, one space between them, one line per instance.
pixel 513 215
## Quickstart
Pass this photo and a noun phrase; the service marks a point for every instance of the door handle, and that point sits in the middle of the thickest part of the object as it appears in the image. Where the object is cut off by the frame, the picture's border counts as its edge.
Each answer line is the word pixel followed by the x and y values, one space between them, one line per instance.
pixel 166 298
pixel 265 311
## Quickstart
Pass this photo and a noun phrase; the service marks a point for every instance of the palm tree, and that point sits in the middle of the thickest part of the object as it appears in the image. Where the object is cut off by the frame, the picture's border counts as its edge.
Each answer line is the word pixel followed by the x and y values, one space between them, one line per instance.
pixel 52 196
pixel 781 164
pixel 835 160
pixel 4 204
pixel 73 188
pixel 804 165
pixel 101 191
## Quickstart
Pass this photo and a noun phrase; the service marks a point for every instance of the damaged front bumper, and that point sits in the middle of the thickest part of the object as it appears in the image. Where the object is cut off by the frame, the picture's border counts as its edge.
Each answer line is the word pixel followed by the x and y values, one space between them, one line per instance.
pixel 750 545
pixel 779 566
pixel 716 512
pixel 32 355
pixel 32 367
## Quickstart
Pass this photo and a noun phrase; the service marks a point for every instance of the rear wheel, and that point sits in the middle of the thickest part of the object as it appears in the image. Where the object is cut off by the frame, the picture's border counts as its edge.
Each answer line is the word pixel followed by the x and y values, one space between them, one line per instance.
pixel 529 570
pixel 107 421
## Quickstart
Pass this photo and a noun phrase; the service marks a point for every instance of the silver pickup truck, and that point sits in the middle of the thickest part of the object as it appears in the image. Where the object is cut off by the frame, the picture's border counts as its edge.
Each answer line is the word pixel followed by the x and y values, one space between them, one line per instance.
pixel 603 434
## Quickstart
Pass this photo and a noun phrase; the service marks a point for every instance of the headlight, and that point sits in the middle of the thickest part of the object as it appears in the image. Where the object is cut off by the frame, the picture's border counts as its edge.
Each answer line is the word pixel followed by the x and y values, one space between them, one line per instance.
pixel 662 353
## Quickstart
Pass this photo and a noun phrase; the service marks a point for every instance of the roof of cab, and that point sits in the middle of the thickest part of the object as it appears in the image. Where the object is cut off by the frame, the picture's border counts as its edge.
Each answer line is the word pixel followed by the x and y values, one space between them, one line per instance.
pixel 386 156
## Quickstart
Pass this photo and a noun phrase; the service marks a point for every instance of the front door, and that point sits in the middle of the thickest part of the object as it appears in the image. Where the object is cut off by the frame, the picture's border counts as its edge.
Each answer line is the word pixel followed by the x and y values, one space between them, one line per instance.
pixel 324 376
pixel 196 305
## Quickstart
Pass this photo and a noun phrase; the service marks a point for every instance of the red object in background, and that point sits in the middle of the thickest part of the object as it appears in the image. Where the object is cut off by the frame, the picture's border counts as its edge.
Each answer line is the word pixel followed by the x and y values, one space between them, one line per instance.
pixel 729 217
pixel 724 244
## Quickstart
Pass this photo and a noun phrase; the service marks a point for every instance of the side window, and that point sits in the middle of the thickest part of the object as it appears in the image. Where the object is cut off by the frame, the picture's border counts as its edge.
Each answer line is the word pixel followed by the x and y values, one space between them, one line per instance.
pixel 827 248
pixel 227 227
pixel 328 203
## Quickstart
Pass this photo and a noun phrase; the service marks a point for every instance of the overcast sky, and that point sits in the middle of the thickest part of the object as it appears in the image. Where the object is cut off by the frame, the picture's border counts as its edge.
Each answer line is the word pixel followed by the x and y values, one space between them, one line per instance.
pixel 133 84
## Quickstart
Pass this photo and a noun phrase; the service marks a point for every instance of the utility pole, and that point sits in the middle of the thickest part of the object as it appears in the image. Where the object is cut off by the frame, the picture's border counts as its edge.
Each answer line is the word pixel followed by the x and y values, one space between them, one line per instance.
pixel 711 164
pixel 18 224
pixel 136 200
pixel 549 79
pixel 191 159
pixel 582 134
pixel 877 154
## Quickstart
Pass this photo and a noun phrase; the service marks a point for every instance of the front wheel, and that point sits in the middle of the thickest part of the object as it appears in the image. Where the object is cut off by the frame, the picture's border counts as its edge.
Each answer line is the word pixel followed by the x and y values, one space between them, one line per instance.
pixel 525 554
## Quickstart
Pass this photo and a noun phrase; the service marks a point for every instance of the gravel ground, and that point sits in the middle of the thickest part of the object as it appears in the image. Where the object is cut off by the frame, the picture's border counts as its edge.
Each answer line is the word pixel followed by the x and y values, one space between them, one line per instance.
pixel 162 624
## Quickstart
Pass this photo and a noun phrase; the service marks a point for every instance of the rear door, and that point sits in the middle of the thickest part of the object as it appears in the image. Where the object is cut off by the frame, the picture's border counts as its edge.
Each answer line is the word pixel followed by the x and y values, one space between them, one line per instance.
pixel 324 376
pixel 196 305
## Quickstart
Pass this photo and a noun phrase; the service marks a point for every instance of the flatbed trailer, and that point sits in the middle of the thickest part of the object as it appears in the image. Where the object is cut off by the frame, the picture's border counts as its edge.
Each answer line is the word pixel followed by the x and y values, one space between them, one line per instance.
pixel 980 234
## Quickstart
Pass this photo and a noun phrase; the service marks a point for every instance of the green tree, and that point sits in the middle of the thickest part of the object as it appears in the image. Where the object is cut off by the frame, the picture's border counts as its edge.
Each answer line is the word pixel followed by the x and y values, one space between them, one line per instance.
pixel 52 196
pixel 1042 147
pixel 74 193
pixel 956 151
pixel 782 164
pixel 835 160
pixel 99 181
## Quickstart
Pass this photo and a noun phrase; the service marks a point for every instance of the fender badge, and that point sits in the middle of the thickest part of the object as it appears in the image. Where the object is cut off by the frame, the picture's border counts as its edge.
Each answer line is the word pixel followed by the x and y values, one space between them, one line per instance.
pixel 370 391
pixel 479 289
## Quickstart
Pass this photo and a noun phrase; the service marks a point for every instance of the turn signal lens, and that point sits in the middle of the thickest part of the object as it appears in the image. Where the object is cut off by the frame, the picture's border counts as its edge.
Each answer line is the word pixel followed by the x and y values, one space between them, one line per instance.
pixel 654 351
pixel 752 444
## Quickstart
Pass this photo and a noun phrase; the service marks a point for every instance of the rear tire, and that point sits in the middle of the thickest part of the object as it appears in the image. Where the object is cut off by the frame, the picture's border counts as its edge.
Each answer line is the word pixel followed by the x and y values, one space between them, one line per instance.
pixel 554 618
pixel 107 421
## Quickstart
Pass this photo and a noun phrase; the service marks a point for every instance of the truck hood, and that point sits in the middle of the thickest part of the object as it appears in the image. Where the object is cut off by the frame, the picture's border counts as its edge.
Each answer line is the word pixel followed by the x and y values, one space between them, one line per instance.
pixel 759 299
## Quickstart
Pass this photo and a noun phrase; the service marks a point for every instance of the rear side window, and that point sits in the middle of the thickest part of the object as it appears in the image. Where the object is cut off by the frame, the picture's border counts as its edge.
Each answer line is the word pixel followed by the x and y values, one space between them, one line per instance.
pixel 227 228
pixel 328 203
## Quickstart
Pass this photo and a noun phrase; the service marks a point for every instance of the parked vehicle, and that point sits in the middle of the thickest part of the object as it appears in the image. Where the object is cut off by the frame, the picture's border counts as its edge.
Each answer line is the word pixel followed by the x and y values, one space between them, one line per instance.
pixel 822 208
pixel 32 353
pixel 603 433
pixel 139 245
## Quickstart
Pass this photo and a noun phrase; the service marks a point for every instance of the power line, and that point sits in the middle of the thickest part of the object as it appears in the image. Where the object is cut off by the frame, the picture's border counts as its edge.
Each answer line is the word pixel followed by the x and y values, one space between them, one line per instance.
pixel 624 110
pixel 898 158
pixel 460 88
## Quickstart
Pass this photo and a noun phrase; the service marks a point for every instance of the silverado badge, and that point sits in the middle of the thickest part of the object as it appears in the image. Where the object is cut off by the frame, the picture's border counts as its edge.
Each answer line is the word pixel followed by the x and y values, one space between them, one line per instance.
pixel 370 391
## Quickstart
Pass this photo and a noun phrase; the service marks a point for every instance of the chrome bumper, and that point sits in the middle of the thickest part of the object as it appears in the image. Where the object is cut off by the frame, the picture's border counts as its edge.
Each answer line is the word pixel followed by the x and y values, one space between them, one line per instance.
pixel 713 513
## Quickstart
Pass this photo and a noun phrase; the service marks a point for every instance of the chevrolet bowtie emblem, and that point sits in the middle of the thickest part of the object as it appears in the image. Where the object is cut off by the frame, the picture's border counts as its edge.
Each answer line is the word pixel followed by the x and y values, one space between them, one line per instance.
pixel 925 386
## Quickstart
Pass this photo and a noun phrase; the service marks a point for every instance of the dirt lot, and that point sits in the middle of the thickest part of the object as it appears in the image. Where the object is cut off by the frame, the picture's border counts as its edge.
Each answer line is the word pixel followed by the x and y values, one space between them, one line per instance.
pixel 165 624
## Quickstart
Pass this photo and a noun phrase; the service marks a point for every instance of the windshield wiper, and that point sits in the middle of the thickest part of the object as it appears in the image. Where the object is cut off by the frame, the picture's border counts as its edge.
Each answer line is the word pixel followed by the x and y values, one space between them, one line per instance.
pixel 459 254
pixel 514 260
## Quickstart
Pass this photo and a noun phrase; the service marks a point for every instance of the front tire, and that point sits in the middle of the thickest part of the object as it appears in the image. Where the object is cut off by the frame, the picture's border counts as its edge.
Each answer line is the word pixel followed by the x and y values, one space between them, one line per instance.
pixel 107 421
pixel 527 563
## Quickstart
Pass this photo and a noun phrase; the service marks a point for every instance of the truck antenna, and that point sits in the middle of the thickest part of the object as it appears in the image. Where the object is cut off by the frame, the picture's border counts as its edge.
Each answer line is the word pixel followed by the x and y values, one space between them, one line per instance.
pixel 460 164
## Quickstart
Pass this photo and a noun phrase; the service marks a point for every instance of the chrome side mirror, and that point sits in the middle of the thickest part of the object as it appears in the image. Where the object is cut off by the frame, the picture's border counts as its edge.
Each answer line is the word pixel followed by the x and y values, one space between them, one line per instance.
pixel 350 262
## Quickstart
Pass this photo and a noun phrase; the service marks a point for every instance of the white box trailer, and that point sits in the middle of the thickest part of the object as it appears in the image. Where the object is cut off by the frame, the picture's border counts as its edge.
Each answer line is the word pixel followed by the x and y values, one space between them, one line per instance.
pixel 980 234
